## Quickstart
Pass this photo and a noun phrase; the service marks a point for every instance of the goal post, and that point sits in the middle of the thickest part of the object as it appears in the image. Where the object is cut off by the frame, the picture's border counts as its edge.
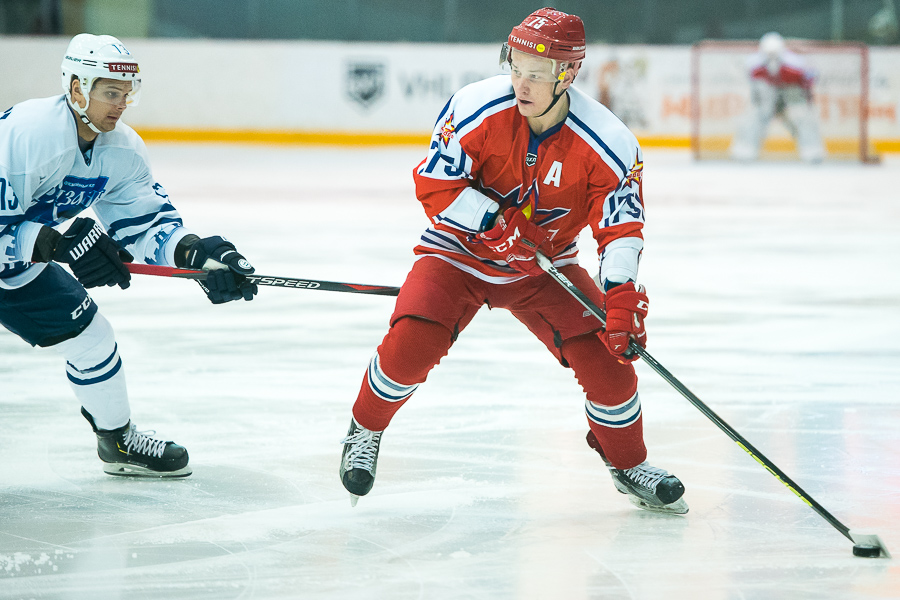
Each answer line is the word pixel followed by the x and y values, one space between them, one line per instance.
pixel 720 99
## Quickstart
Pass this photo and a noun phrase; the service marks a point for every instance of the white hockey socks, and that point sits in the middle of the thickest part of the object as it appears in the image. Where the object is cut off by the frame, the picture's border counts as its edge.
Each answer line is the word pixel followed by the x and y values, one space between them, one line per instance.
pixel 95 373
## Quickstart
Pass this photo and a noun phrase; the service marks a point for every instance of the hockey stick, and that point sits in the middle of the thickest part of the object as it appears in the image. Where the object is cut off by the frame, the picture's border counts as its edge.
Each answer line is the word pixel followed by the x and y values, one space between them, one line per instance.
pixel 865 544
pixel 287 282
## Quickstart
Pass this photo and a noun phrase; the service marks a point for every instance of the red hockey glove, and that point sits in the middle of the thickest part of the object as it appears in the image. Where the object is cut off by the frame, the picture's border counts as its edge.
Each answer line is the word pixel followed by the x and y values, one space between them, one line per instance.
pixel 626 309
pixel 516 239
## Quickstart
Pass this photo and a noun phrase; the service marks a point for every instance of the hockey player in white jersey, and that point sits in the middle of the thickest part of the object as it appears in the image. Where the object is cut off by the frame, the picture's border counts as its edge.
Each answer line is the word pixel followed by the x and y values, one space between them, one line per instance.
pixel 59 156
pixel 780 86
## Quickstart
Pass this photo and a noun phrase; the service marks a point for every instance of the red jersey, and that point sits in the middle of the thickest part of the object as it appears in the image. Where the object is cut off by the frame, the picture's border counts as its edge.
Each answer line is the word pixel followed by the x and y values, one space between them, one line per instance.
pixel 791 71
pixel 484 158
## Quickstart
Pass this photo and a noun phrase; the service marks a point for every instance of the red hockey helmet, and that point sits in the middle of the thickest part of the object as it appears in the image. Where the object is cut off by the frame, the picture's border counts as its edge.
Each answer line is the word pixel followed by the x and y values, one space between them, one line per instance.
pixel 550 33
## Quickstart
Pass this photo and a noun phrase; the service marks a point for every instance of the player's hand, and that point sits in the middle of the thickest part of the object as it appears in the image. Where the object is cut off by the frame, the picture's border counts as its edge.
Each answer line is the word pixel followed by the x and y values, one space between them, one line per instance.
pixel 226 268
pixel 626 309
pixel 516 239
pixel 93 256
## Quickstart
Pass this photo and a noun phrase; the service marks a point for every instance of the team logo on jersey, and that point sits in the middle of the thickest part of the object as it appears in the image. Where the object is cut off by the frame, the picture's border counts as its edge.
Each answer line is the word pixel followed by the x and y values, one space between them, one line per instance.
pixel 447 130
pixel 637 172
pixel 72 196
pixel 365 83
pixel 530 159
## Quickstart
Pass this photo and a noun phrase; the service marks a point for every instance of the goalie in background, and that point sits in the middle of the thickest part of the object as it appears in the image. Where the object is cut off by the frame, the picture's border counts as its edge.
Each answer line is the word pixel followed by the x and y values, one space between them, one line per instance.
pixel 780 86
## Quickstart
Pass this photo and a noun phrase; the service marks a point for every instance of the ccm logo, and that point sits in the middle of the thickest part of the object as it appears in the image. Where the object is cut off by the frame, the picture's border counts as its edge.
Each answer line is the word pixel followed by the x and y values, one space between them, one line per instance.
pixel 81 308
pixel 275 281
pixel 508 244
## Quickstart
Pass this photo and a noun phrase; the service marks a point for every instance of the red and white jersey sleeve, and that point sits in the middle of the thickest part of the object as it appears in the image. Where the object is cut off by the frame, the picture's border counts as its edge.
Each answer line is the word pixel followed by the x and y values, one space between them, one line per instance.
pixel 586 171
pixel 792 71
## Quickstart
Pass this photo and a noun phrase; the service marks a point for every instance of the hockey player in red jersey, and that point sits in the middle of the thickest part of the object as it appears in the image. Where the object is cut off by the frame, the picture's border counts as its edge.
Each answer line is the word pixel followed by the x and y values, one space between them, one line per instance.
pixel 780 86
pixel 522 163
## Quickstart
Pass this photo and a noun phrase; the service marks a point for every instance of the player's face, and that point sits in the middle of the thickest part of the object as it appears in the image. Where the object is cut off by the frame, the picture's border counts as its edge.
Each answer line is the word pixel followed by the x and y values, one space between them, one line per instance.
pixel 109 99
pixel 533 82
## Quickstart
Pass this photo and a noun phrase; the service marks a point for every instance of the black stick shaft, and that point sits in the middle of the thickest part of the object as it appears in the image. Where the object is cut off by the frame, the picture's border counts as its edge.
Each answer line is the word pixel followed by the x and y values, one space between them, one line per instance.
pixel 268 280
pixel 545 264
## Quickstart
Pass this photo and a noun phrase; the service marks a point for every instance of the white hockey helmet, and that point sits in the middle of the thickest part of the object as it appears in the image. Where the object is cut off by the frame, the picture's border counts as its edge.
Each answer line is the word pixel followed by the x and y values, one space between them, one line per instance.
pixel 91 57
pixel 772 44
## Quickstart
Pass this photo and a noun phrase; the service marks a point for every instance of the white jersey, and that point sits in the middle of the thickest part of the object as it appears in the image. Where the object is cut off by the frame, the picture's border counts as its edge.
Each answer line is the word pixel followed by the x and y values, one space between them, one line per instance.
pixel 45 179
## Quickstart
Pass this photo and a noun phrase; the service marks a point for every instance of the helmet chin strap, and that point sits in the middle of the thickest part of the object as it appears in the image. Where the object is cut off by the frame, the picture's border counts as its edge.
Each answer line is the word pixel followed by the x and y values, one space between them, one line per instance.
pixel 556 98
pixel 82 112
pixel 570 68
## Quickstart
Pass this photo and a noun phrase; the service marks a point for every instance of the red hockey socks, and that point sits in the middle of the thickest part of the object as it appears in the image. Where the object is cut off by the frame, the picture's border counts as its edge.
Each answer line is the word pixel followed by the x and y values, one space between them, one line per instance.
pixel 612 406
pixel 411 348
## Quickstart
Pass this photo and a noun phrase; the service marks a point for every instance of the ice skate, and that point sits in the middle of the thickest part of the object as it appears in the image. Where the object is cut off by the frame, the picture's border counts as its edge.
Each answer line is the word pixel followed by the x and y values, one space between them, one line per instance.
pixel 647 487
pixel 128 452
pixel 359 460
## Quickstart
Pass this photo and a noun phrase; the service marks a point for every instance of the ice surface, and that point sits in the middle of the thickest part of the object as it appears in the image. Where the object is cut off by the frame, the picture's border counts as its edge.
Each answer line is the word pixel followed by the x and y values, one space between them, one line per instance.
pixel 775 298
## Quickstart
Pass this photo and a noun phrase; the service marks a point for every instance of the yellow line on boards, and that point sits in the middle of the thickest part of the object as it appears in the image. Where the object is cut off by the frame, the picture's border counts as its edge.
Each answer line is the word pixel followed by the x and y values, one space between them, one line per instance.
pixel 238 136
pixel 332 138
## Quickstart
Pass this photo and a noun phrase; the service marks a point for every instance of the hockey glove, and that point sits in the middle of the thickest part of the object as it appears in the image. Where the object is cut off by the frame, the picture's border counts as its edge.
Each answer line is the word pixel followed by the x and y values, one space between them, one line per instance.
pixel 516 239
pixel 93 256
pixel 626 309
pixel 226 268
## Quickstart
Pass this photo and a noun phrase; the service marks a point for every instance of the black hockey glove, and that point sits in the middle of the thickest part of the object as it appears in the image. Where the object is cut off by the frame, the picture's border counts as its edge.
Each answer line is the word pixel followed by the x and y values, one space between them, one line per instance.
pixel 93 256
pixel 227 270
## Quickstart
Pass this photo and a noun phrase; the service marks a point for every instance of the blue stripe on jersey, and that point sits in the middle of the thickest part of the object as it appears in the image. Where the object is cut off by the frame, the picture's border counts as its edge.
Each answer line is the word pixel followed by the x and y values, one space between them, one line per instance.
pixel 602 144
pixel 477 113
pixel 455 224
pixel 42 213
pixel 133 221
pixel 451 243
pixel 571 246
pixel 444 111
pixel 535 141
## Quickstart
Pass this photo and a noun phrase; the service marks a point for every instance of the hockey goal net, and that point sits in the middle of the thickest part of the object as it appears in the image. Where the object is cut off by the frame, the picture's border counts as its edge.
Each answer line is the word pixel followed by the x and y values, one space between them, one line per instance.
pixel 720 99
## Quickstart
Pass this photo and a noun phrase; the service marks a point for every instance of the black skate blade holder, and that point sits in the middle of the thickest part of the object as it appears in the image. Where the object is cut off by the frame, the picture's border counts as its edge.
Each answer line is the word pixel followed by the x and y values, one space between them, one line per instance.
pixel 866 545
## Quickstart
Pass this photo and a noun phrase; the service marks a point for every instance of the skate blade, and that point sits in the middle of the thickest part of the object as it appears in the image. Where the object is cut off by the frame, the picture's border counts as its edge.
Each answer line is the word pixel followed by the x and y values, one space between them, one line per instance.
pixel 679 507
pixel 353 500
pixel 124 470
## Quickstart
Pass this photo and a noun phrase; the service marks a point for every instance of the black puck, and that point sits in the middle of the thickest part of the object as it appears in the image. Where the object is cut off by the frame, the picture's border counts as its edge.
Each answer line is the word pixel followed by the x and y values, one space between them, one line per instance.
pixel 866 551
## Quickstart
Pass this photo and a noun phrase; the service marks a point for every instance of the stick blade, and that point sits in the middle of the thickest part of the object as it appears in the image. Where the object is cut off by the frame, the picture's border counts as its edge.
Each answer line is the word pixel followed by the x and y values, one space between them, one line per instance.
pixel 869 540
